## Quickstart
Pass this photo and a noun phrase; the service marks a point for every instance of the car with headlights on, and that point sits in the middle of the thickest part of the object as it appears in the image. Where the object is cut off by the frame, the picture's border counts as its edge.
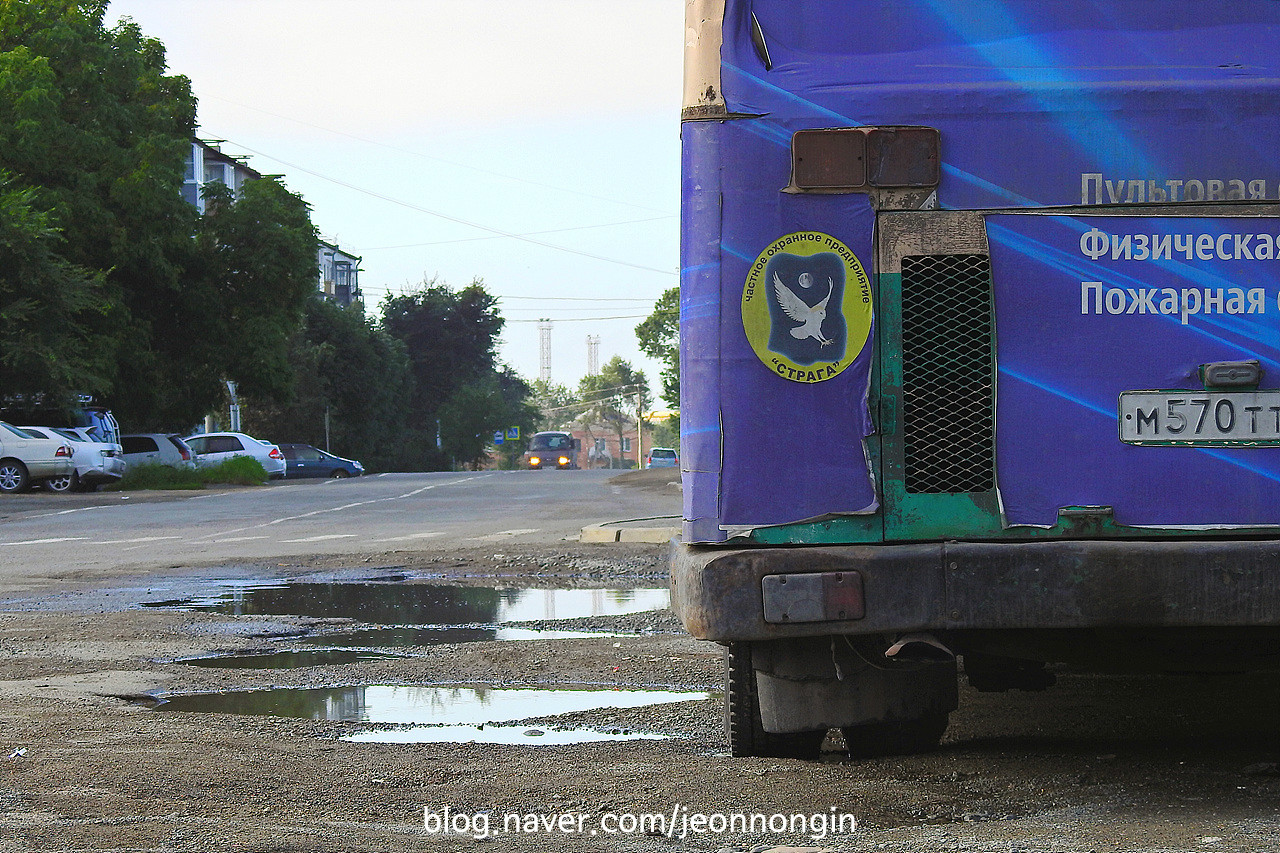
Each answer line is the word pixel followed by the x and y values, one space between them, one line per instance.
pixel 552 450
pixel 25 460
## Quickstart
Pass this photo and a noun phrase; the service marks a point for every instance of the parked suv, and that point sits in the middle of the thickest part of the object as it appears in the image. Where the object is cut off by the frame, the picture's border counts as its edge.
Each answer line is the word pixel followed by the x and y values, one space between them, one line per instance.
pixel 97 462
pixel 100 423
pixel 663 457
pixel 214 447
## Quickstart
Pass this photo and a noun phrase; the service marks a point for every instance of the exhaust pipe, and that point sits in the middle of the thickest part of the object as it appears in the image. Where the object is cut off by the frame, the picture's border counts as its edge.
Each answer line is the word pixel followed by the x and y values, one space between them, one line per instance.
pixel 919 648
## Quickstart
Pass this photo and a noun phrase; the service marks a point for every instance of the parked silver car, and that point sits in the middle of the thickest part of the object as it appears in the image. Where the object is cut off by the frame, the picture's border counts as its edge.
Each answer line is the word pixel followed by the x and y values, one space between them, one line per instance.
pixel 214 447
pixel 97 462
pixel 25 460
pixel 157 448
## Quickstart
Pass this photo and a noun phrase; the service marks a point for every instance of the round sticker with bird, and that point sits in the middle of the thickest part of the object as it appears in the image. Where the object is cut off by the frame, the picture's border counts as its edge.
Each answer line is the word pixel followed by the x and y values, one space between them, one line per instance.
pixel 806 307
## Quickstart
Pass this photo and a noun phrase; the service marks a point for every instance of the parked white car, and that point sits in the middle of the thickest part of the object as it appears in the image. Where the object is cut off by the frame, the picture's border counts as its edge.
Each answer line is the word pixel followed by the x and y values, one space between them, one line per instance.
pixel 157 448
pixel 97 462
pixel 213 447
pixel 25 460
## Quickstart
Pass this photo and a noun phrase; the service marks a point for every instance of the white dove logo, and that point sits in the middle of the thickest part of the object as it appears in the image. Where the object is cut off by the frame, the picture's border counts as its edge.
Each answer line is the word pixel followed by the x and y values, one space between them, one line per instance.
pixel 809 318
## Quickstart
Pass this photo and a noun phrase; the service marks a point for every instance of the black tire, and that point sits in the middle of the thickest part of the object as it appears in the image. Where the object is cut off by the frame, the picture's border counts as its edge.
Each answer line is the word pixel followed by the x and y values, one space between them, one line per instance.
pixel 747 736
pixel 898 737
pixel 338 474
pixel 65 483
pixel 13 476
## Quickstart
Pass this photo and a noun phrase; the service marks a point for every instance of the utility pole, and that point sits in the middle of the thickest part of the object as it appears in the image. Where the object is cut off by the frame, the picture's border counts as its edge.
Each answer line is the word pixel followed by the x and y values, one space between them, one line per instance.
pixel 234 412
pixel 639 427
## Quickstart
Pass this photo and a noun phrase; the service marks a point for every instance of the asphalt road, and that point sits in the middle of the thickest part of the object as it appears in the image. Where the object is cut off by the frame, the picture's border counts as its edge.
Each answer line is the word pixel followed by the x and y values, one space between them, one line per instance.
pixel 47 538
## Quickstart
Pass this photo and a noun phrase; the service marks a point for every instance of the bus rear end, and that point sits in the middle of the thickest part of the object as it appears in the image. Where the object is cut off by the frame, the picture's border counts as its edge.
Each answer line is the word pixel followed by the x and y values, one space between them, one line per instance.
pixel 980 327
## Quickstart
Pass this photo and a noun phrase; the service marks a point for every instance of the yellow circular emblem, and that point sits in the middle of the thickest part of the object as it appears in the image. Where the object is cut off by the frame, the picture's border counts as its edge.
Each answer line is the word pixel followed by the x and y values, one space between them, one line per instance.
pixel 806 307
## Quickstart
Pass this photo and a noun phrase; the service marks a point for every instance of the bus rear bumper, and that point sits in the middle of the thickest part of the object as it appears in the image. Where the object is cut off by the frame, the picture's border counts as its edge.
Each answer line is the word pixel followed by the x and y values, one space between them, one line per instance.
pixel 725 594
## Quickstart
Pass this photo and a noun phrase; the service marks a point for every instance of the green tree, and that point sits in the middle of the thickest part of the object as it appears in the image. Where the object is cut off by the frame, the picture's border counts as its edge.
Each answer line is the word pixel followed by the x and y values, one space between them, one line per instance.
pixel 48 308
pixel 478 410
pixel 659 337
pixel 556 404
pixel 349 374
pixel 461 393
pixel 98 135
pixel 91 125
pixel 247 276
pixel 615 396
pixel 260 256
pixel 666 432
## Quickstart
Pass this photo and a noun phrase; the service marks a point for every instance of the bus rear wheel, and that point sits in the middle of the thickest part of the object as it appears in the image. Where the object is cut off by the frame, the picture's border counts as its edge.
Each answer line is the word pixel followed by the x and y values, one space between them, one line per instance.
pixel 747 736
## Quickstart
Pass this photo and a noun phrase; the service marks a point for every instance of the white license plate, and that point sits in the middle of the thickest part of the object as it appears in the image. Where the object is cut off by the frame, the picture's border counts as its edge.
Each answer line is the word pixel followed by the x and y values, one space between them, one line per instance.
pixel 1200 418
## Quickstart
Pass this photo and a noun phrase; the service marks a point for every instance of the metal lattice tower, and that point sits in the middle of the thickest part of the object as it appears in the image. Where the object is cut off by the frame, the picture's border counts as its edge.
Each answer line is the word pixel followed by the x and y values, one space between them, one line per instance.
pixel 544 350
pixel 593 355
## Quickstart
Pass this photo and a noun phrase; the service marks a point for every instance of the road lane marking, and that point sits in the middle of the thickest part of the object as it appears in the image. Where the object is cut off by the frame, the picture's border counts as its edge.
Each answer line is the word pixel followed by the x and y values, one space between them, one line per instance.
pixel 322 538
pixel 236 539
pixel 412 536
pixel 67 511
pixel 344 507
pixel 503 534
pixel 135 541
pixel 49 541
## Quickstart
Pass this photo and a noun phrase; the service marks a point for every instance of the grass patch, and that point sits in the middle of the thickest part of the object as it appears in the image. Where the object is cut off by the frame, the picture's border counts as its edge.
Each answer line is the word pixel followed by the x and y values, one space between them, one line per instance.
pixel 236 471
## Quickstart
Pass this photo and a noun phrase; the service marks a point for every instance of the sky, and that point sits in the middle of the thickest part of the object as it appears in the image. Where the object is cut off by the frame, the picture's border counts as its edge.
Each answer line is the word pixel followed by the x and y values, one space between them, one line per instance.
pixel 532 144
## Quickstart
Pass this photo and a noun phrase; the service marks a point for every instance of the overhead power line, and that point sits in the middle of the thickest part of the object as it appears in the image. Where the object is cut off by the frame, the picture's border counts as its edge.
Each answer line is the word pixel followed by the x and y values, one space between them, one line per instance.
pixel 579 298
pixel 525 234
pixel 586 319
pixel 432 157
pixel 457 219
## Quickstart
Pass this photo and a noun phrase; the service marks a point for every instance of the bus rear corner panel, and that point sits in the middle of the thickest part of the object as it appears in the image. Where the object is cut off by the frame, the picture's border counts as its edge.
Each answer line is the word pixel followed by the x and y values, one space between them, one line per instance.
pixel 870 640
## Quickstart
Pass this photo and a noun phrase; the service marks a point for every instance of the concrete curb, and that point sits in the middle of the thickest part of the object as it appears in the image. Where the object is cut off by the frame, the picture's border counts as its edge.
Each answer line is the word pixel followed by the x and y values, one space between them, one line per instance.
pixel 630 530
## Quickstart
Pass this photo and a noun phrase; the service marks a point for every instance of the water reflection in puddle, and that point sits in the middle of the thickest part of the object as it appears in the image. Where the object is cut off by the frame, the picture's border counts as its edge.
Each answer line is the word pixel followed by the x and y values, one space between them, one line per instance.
pixel 433 635
pixel 496 734
pixel 420 604
pixel 441 714
pixel 291 659
pixel 411 614
pixel 356 646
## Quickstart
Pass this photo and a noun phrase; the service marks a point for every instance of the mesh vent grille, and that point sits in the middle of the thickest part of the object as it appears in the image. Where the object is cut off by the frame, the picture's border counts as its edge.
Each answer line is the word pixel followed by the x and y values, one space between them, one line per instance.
pixel 948 373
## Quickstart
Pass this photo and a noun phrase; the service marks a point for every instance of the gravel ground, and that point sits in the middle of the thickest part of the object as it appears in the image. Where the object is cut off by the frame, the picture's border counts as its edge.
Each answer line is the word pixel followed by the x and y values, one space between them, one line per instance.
pixel 1099 763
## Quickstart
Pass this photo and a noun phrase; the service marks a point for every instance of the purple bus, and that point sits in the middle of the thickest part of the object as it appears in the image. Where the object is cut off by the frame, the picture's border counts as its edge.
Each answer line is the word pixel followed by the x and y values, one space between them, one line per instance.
pixel 980 328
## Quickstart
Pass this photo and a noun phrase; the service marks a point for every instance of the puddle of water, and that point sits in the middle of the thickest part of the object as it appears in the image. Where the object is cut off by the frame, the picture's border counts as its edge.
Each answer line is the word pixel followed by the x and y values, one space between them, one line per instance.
pixel 420 604
pixel 409 635
pixel 496 734
pixel 434 706
pixel 292 659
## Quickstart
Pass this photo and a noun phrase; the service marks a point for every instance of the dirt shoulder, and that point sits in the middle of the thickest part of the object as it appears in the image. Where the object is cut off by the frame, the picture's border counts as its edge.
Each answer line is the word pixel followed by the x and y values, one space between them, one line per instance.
pixel 1099 763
